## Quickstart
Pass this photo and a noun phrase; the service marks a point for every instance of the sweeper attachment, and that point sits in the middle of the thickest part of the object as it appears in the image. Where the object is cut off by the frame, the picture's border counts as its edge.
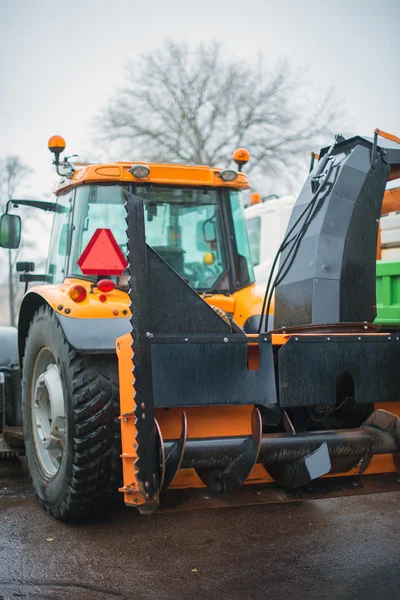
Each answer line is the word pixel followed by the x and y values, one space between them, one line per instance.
pixel 205 405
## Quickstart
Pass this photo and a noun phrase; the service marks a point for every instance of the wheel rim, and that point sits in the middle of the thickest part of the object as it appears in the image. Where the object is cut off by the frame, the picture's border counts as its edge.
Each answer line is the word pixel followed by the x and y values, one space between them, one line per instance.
pixel 48 412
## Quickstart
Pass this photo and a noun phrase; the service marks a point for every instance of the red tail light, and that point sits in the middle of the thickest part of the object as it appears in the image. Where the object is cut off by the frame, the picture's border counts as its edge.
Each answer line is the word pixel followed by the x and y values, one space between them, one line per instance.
pixel 77 293
pixel 106 285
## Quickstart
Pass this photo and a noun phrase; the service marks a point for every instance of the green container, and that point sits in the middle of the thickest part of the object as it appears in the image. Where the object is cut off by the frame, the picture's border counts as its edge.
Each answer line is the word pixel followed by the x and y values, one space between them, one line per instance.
pixel 387 292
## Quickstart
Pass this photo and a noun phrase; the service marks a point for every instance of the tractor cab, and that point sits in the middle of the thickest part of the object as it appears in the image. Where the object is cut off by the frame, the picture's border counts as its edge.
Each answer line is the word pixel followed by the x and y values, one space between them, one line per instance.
pixel 194 220
pixel 198 231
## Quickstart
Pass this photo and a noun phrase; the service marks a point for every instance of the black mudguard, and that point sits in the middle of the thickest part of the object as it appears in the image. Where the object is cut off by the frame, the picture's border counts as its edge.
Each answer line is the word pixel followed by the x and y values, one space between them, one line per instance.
pixel 92 336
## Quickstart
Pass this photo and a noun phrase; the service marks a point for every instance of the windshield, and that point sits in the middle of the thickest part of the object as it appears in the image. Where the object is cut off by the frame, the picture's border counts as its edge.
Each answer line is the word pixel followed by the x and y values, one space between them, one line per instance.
pixel 183 225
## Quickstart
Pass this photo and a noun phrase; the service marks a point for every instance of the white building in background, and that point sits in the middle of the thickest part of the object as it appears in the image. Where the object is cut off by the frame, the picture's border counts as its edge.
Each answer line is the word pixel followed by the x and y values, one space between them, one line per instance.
pixel 266 224
pixel 4 307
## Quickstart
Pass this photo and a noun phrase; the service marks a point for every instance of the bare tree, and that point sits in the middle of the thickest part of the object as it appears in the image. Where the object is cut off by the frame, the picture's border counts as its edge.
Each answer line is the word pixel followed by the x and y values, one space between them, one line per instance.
pixel 196 106
pixel 12 173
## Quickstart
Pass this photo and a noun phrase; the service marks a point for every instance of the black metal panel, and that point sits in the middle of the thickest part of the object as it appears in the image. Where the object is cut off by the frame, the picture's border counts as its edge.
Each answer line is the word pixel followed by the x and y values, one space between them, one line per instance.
pixel 184 354
pixel 146 464
pixel 252 323
pixel 309 367
pixel 331 277
pixel 161 303
pixel 211 371
pixel 175 307
pixel 389 149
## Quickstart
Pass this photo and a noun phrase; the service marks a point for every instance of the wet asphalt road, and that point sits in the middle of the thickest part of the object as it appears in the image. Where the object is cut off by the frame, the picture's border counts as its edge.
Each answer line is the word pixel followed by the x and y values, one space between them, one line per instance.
pixel 334 549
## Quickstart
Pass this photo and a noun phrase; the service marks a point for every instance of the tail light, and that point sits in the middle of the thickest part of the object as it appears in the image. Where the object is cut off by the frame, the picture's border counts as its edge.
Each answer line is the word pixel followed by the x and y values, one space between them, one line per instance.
pixel 77 293
pixel 105 285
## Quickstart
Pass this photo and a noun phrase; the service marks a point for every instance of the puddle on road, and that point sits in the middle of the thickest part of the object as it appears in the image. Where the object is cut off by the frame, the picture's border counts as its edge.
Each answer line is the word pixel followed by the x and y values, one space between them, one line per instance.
pixel 14 481
pixel 37 590
pixel 10 491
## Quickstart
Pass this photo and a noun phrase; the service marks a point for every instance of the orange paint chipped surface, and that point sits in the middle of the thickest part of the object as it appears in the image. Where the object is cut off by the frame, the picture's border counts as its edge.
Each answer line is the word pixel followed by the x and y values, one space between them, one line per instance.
pixel 391 201
pixel 130 487
pixel 205 421
pixel 248 302
pixel 225 303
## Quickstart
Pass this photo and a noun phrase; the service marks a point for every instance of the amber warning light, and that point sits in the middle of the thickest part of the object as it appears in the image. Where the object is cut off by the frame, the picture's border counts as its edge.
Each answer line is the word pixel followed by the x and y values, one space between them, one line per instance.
pixel 56 145
pixel 102 255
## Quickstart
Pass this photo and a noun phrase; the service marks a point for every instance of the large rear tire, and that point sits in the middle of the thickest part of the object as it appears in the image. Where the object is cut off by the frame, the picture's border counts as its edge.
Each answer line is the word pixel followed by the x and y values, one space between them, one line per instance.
pixel 70 408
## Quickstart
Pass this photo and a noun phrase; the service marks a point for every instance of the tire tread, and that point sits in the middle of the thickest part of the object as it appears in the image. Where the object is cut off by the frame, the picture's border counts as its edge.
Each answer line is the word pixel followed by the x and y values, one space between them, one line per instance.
pixel 96 442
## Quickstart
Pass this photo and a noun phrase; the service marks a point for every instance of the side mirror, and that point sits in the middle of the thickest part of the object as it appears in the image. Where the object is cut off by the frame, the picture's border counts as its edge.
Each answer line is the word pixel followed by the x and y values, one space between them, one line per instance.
pixel 10 231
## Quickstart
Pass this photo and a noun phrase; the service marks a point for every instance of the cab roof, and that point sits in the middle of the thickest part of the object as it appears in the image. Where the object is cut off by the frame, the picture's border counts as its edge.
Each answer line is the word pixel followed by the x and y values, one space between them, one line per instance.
pixel 162 174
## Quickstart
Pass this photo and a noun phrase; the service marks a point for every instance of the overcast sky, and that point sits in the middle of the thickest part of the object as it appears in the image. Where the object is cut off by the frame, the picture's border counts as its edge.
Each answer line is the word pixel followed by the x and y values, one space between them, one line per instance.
pixel 60 61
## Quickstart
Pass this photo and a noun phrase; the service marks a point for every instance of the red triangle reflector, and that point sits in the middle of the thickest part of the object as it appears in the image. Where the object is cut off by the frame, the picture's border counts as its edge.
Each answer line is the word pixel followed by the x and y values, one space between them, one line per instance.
pixel 102 255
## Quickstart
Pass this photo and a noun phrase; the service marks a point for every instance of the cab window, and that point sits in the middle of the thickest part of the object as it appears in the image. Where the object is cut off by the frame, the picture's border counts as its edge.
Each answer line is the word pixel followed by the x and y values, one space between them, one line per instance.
pixel 96 206
pixel 244 264
pixel 60 238
pixel 184 227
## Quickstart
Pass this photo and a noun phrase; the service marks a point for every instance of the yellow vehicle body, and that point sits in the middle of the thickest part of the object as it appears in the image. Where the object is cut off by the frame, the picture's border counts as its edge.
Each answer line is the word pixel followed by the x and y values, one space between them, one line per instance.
pixel 240 305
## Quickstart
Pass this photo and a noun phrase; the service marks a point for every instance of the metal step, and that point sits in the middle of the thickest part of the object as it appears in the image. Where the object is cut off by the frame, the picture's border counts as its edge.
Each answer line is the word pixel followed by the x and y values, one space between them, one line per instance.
pixel 12 443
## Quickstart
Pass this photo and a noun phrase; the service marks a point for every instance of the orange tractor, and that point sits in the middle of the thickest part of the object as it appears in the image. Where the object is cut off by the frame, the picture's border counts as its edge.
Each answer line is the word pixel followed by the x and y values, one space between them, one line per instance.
pixel 148 348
